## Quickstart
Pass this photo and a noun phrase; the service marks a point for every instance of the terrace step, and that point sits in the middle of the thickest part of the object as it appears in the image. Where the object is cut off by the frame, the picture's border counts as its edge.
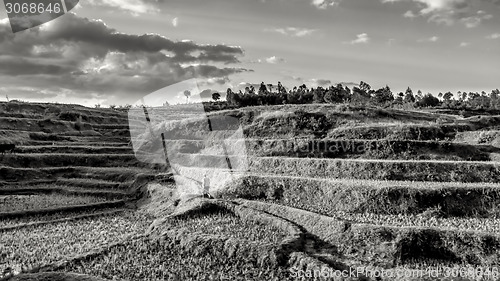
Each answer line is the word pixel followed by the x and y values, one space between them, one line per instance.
pixel 94 184
pixel 77 143
pixel 117 174
pixel 390 247
pixel 345 148
pixel 36 160
pixel 77 149
pixel 331 196
pixel 102 139
pixel 105 212
pixel 110 194
pixel 12 175
pixel 428 170
pixel 76 208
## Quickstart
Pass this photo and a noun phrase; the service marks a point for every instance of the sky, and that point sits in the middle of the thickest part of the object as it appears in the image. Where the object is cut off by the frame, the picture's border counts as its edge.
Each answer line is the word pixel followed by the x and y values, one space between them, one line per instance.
pixel 118 51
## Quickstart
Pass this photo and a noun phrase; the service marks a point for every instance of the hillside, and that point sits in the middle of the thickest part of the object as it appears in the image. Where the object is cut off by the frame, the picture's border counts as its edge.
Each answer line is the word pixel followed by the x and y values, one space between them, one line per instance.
pixel 304 187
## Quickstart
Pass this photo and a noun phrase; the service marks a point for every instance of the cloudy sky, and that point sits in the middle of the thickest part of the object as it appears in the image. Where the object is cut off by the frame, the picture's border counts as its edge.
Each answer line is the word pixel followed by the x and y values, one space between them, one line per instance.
pixel 116 51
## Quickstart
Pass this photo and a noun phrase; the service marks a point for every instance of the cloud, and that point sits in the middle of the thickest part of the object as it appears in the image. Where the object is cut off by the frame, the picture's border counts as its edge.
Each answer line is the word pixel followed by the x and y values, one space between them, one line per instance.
pixel 175 22
pixel 361 39
pixel 324 4
pixel 448 12
pixel 409 14
pixel 465 44
pixel 493 36
pixel 89 58
pixel 476 20
pixel 432 39
pixel 270 60
pixel 312 82
pixel 292 31
pixel 135 7
pixel 320 82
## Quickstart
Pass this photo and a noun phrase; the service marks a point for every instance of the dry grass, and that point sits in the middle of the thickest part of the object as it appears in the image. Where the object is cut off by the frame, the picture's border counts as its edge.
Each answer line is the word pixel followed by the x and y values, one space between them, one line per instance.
pixel 366 196
pixel 391 246
pixel 15 203
pixel 227 224
pixel 440 171
pixel 165 259
pixel 33 246
pixel 64 160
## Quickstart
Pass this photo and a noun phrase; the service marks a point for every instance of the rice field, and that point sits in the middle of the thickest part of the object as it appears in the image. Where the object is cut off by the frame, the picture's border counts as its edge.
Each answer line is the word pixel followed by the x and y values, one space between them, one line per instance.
pixel 17 203
pixel 227 224
pixel 148 259
pixel 32 246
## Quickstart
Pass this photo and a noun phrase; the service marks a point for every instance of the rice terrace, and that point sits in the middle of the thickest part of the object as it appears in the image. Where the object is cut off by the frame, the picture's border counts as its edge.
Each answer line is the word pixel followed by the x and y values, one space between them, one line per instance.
pixel 249 140
pixel 310 190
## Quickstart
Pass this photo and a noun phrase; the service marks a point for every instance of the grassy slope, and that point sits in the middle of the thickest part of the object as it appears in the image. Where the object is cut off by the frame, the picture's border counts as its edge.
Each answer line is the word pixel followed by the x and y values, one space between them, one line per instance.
pixel 334 122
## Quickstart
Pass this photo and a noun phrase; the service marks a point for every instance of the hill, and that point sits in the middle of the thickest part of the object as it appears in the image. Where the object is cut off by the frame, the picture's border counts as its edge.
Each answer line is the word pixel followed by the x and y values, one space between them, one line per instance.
pixel 299 189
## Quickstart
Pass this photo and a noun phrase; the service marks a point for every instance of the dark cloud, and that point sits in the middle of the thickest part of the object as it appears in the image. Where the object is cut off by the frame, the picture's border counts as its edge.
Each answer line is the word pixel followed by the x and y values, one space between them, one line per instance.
pixel 19 66
pixel 88 56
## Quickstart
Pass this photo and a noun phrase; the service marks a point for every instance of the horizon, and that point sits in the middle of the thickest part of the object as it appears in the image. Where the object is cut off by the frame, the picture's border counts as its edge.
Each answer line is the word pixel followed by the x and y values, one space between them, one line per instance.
pixel 109 53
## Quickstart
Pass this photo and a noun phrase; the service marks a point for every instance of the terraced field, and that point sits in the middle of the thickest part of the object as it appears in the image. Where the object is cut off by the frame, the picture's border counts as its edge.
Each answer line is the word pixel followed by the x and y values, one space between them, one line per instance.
pixel 389 191
pixel 319 191
pixel 68 188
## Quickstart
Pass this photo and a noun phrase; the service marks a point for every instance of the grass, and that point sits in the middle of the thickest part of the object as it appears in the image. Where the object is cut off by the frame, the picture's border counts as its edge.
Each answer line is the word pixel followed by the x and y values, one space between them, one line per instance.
pixel 15 203
pixel 42 218
pixel 20 174
pixel 96 184
pixel 486 225
pixel 63 160
pixel 119 174
pixel 63 149
pixel 390 246
pixel 344 148
pixel 37 245
pixel 367 196
pixel 227 224
pixel 440 171
pixel 164 259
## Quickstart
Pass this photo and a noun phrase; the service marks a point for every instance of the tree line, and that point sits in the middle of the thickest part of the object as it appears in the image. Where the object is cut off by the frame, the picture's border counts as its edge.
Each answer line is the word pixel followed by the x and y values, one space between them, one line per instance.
pixel 360 95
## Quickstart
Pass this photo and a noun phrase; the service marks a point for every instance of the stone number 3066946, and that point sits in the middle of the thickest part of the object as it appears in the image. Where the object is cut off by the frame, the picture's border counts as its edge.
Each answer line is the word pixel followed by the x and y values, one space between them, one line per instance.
pixel 34 8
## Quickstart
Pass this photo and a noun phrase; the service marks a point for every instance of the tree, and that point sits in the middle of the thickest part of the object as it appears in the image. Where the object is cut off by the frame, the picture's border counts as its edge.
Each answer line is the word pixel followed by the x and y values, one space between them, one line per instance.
pixel 319 95
pixel 409 91
pixel 419 95
pixel 232 98
pixel 409 97
pixel 348 90
pixel 359 96
pixel 400 97
pixel 428 100
pixel 281 89
pixel 270 87
pixel 187 93
pixel 495 99
pixel 216 96
pixel 328 97
pixel 384 95
pixel 447 96
pixel 363 86
pixel 262 89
